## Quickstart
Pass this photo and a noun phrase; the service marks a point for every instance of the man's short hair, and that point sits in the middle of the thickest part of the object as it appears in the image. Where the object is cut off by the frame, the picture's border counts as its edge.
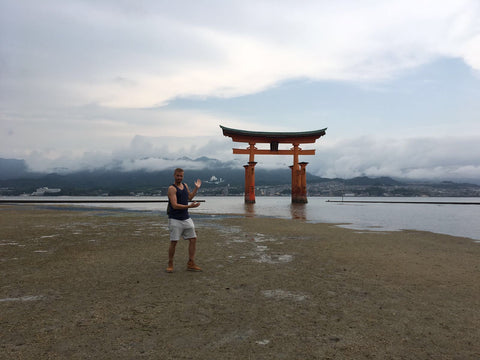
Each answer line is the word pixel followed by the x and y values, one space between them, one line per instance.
pixel 178 170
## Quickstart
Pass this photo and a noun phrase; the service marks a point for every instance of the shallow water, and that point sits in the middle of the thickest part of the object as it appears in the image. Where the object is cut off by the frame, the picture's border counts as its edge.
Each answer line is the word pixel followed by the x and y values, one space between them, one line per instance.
pixel 457 220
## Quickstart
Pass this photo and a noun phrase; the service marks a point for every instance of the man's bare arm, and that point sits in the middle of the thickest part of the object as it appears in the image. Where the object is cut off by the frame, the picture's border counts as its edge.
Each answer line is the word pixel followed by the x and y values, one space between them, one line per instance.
pixel 172 196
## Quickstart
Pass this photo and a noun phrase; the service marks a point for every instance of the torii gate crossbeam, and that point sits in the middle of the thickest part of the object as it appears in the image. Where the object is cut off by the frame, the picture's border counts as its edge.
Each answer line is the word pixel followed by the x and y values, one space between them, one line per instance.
pixel 299 182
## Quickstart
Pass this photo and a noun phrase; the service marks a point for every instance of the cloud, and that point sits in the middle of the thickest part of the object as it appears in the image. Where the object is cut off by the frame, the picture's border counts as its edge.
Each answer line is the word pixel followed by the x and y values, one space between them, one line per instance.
pixel 430 158
pixel 413 158
pixel 122 55
pixel 141 153
pixel 93 128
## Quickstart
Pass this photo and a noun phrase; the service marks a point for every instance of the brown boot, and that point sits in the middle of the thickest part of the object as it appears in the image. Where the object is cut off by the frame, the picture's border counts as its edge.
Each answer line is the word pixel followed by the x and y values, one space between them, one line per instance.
pixel 191 266
pixel 170 268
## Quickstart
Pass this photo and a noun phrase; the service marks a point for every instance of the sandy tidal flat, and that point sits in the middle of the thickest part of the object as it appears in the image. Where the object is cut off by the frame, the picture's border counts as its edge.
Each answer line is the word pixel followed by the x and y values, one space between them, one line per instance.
pixel 79 284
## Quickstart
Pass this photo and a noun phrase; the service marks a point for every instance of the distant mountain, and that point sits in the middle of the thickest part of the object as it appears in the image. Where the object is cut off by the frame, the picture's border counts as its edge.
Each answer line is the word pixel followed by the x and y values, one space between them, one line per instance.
pixel 380 181
pixel 13 168
pixel 117 182
pixel 15 179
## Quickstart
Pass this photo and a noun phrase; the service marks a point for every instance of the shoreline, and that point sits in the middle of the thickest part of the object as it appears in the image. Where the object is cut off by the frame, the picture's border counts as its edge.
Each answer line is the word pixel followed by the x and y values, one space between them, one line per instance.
pixel 112 200
pixel 405 202
pixel 294 214
pixel 92 283
pixel 455 220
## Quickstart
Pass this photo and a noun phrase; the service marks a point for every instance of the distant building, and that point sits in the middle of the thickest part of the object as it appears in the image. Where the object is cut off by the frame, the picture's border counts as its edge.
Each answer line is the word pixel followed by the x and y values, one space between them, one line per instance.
pixel 215 180
pixel 45 190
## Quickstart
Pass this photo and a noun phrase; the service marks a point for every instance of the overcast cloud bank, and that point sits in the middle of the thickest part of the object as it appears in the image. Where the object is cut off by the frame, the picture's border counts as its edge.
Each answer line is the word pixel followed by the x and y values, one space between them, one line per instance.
pixel 145 53
pixel 415 158
pixel 81 79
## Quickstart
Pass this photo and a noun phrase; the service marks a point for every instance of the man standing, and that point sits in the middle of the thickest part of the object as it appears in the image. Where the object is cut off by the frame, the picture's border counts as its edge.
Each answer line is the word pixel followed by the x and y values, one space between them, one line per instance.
pixel 179 222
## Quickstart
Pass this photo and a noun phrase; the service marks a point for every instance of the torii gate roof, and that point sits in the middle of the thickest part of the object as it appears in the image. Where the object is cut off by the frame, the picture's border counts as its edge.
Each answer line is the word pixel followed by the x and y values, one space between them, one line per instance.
pixel 269 137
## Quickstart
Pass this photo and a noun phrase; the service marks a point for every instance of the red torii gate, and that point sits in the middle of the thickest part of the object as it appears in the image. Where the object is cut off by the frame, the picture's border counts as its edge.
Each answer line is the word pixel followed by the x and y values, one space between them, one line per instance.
pixel 299 178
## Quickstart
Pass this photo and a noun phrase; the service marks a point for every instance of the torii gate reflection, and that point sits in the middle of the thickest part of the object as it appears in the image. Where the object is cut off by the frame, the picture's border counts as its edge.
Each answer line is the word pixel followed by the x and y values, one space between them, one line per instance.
pixel 299 178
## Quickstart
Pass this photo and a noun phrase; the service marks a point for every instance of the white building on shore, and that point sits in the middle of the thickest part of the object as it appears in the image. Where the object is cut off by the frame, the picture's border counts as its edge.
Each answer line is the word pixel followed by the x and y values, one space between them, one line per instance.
pixel 45 190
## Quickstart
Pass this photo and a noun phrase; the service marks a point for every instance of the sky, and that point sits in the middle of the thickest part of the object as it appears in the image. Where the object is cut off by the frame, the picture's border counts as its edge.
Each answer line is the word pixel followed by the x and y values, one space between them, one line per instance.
pixel 142 84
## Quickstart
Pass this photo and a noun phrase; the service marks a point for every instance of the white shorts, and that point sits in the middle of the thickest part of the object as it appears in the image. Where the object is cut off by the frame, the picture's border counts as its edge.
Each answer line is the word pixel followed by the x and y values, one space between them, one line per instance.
pixel 184 228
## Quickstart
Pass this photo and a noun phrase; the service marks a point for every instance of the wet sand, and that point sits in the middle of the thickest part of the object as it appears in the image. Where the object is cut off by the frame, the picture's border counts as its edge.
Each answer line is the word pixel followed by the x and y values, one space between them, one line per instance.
pixel 81 284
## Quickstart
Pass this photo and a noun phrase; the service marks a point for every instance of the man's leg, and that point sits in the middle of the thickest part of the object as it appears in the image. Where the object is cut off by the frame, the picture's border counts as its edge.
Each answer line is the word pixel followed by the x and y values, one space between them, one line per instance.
pixel 171 254
pixel 191 255
pixel 191 248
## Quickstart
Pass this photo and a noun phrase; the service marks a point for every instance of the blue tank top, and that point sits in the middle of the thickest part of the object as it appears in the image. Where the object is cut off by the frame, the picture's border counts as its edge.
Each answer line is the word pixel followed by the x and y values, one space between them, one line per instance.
pixel 182 198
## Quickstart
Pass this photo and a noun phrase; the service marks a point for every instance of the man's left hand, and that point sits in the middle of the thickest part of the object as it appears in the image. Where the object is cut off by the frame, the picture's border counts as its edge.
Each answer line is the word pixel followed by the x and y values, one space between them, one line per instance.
pixel 198 183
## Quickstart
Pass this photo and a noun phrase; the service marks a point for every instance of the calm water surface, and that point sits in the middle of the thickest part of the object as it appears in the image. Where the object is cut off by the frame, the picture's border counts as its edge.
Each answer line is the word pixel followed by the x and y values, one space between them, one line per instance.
pixel 458 220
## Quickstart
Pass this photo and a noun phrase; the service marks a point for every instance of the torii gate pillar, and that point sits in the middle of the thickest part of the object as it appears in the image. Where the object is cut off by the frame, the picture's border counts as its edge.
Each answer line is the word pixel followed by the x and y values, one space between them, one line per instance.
pixel 299 172
pixel 299 183
pixel 250 182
